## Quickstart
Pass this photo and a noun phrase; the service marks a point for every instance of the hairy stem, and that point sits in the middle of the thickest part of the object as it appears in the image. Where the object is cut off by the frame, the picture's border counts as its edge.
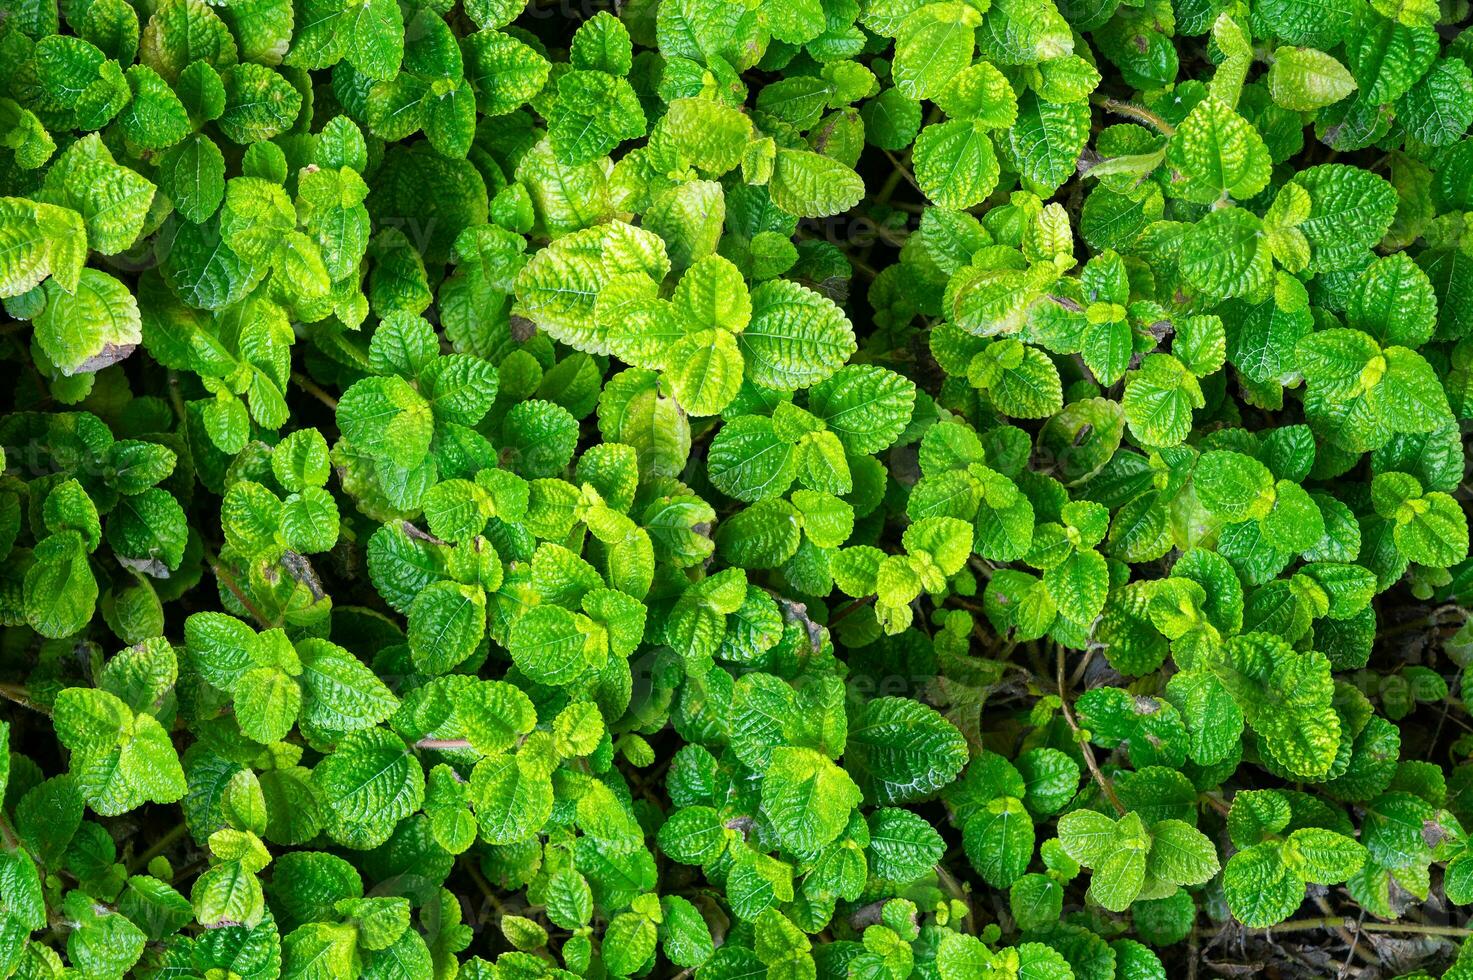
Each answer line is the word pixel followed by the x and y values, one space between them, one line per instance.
pixel 22 697
pixel 314 389
pixel 443 743
pixel 1139 113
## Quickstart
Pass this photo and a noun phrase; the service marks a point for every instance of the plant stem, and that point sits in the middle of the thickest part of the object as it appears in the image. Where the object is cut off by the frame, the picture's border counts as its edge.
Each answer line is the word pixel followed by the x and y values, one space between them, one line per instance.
pixel 8 835
pixel 443 743
pixel 490 893
pixel 228 580
pixel 1432 621
pixel 1351 940
pixel 176 399
pixel 1139 113
pixel 157 847
pixel 1085 748
pixel 22 697
pixel 1341 922
pixel 1217 803
pixel 903 170
pixel 850 609
pixel 314 389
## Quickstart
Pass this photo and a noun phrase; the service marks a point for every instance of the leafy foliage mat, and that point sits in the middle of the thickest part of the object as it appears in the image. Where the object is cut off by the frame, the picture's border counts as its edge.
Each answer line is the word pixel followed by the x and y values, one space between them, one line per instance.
pixel 781 489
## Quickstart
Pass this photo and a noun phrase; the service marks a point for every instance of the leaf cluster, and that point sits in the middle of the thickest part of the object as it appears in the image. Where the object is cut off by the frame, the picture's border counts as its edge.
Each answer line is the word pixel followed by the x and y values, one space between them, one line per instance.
pixel 784 488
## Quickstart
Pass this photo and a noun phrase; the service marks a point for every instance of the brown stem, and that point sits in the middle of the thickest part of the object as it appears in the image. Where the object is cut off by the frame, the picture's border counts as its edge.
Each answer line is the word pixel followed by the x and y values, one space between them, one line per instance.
pixel 1340 921
pixel 176 398
pixel 1085 749
pixel 850 609
pixel 1078 674
pixel 8 833
pixel 1355 949
pixel 1217 803
pixel 228 580
pixel 1437 619
pixel 903 170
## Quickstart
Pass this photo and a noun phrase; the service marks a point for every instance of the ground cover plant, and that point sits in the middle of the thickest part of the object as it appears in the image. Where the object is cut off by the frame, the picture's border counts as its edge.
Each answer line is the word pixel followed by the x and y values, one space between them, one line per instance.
pixel 735 489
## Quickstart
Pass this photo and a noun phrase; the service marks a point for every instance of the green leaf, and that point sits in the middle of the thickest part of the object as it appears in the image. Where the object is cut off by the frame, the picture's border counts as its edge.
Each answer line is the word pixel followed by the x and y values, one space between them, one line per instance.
pixel 1023 32
pixel 112 200
pixel 1432 530
pixel 629 942
pixel 594 113
pixel 95 325
pixel 1215 153
pixel 386 417
pixel 1115 850
pixel 998 840
pixel 446 623
pixel 1020 379
pixel 710 134
pixel 558 288
pixel 504 71
pixel 368 784
pixel 1438 109
pixel 1350 210
pixel 1286 699
pixel 1305 79
pixel 1159 399
pixel 192 174
pixel 103 943
pixel 1224 255
pixel 900 751
pixel 807 798
pixel 60 592
pixel 554 646
pixel 1045 143
pixel 1322 856
pixel 259 103
pixel 267 703
pixel 706 371
pixel 693 835
pixel 376 38
pixel 495 714
pixel 903 847
pixel 1035 901
pixel 1079 585
pixel 512 799
pixel 1261 891
pixel 1233 486
pixel 1395 302
pixel 1181 854
pixel 155 119
pixel 934 44
pixel 36 241
pixel 148 532
pixel 796 338
pixel 811 185
pixel 955 164
pixel 339 692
